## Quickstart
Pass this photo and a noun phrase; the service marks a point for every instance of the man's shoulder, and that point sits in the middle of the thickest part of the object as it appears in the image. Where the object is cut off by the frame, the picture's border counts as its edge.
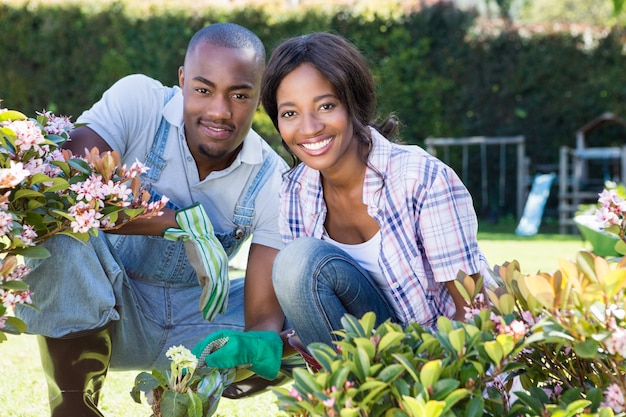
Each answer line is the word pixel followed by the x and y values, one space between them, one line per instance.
pixel 255 145
pixel 137 81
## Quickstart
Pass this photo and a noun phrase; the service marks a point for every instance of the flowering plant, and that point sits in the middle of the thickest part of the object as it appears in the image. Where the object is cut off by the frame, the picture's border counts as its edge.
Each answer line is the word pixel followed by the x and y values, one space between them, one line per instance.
pixel 611 213
pixel 186 389
pixel 545 345
pixel 46 190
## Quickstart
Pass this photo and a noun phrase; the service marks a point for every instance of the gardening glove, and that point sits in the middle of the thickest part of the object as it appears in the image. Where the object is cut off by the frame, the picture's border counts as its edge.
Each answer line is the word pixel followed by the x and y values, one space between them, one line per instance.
pixel 260 350
pixel 206 255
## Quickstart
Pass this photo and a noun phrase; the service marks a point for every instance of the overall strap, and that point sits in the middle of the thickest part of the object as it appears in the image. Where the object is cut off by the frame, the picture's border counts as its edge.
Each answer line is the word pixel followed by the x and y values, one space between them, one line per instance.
pixel 244 210
pixel 154 158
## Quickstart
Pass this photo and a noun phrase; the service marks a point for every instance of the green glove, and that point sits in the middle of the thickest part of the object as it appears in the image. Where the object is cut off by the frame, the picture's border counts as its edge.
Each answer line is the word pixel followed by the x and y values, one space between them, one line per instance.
pixel 206 255
pixel 261 350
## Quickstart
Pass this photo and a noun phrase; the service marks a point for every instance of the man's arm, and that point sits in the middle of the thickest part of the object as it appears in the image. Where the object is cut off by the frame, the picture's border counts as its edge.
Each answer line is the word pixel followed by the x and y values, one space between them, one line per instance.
pixel 86 138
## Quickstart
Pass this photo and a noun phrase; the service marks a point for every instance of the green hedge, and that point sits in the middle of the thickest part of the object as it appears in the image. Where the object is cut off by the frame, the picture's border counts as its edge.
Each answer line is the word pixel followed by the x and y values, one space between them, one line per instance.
pixel 432 69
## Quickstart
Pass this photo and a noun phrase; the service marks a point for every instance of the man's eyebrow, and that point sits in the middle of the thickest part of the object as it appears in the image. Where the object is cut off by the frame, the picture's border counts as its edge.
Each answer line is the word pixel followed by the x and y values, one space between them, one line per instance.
pixel 243 86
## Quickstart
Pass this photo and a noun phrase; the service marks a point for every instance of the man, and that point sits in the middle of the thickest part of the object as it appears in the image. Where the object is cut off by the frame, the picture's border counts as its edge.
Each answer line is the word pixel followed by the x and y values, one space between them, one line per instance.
pixel 123 299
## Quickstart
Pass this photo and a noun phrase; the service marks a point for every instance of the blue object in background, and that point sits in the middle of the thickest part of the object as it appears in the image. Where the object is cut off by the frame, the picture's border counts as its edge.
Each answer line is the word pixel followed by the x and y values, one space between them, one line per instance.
pixel 536 202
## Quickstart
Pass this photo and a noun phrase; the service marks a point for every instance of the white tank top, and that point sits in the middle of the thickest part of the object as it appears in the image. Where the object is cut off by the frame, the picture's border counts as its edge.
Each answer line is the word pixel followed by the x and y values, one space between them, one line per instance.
pixel 366 255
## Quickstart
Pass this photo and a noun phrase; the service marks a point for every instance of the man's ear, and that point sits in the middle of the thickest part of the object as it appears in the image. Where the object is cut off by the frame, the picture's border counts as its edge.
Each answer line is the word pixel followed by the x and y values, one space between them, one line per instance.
pixel 181 77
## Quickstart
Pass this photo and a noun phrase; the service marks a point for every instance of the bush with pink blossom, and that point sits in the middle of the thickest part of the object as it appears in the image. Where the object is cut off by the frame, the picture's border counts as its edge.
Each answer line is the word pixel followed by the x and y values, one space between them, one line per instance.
pixel 545 344
pixel 46 190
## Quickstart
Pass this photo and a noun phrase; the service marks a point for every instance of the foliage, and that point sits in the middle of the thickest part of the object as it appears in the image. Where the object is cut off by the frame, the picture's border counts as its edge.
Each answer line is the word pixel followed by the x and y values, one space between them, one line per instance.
pixel 46 190
pixel 186 389
pixel 545 345
pixel 442 70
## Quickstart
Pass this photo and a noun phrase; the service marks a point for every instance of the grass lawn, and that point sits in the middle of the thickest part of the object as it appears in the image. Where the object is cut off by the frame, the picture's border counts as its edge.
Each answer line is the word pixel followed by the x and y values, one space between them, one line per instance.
pixel 23 388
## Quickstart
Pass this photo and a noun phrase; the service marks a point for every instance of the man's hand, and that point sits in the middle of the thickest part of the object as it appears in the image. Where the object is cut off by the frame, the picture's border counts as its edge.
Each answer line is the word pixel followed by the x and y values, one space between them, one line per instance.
pixel 261 350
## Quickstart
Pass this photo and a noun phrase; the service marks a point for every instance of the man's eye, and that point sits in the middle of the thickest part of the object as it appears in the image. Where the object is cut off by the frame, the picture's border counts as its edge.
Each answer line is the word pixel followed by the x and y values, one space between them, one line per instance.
pixel 240 96
pixel 202 90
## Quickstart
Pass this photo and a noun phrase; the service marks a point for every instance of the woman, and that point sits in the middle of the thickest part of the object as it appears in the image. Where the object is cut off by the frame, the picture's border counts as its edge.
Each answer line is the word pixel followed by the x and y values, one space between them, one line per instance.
pixel 370 225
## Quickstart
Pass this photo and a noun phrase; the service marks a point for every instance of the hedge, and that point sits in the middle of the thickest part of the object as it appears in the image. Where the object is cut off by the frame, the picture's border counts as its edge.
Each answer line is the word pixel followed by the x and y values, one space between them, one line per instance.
pixel 441 70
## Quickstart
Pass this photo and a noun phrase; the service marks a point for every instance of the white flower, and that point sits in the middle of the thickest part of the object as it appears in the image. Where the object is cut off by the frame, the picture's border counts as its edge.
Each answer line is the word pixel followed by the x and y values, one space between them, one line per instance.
pixel 10 177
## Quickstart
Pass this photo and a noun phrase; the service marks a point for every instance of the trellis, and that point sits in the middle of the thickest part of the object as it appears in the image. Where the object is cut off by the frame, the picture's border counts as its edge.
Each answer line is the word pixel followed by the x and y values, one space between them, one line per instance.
pixel 482 142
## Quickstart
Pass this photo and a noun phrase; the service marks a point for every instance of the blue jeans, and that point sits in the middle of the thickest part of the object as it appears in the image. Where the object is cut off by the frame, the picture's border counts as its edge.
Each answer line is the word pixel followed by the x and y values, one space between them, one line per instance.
pixel 317 284
pixel 143 285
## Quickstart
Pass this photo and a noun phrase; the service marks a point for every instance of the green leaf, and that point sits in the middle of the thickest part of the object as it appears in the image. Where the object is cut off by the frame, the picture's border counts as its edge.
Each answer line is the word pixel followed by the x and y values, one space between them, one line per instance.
pixel 444 387
pixel 444 325
pixel 475 407
pixel 361 363
pixel 194 408
pixel 81 165
pixel 324 354
pixel 58 184
pixel 457 340
pixel 305 381
pixel 587 349
pixel 39 178
pixel 34 252
pixel 26 193
pixel 375 390
pixel 407 365
pixel 415 407
pixel 434 408
pixel 389 340
pixel 605 412
pixel 494 350
pixel 576 407
pixel 340 377
pixel 391 372
pixel 368 321
pixel 430 372
pixel 367 345
pixel 12 115
pixel 14 285
pixel 620 247
pixel 353 326
pixel 14 325
pixel 174 404
pixel 454 397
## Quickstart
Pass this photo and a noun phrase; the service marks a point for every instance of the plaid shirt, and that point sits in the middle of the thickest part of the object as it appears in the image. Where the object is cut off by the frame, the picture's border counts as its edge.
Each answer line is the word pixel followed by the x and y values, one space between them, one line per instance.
pixel 427 222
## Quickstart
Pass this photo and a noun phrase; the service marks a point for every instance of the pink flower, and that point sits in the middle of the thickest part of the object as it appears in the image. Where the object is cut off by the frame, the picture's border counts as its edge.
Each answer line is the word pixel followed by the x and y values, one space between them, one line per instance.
pixel 28 235
pixel 614 398
pixel 6 223
pixel 29 135
pixel 90 189
pixel 86 218
pixel 295 394
pixel 616 342
pixel 57 125
pixel 10 177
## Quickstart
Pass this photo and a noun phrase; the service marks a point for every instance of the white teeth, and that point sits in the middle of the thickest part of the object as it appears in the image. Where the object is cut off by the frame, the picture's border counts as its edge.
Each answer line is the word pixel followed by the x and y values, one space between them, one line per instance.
pixel 316 145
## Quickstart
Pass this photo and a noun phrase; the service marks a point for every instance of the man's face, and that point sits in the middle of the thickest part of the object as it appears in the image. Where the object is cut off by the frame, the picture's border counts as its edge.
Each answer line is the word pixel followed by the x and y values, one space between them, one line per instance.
pixel 221 89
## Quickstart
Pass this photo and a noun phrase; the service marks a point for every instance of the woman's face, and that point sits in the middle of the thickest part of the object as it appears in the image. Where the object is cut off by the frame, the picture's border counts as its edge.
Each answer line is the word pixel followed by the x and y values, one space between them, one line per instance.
pixel 312 121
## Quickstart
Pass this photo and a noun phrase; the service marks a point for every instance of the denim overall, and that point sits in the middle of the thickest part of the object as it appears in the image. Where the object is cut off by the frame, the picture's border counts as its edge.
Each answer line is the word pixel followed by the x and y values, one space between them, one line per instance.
pixel 144 285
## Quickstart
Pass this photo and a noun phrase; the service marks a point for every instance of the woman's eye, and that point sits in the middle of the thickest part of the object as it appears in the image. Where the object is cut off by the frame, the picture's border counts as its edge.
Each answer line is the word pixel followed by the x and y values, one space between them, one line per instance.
pixel 287 114
pixel 327 106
